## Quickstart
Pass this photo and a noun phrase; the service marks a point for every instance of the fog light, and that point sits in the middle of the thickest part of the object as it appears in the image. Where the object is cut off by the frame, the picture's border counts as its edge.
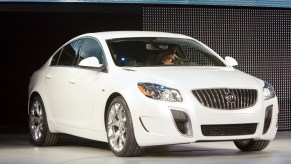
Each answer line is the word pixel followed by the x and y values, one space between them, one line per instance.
pixel 182 122
pixel 268 118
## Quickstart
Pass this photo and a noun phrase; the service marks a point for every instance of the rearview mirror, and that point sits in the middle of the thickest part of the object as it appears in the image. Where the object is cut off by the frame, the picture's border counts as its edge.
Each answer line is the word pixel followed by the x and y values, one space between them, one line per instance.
pixel 150 46
pixel 92 62
pixel 231 61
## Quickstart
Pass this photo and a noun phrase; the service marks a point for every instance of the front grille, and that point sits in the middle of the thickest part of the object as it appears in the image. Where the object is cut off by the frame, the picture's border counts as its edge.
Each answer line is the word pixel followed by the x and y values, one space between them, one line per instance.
pixel 229 129
pixel 229 99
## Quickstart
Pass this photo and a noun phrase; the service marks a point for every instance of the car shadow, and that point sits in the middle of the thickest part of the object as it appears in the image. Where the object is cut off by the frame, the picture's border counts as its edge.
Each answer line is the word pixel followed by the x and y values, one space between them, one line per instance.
pixel 196 151
pixel 180 150
pixel 22 140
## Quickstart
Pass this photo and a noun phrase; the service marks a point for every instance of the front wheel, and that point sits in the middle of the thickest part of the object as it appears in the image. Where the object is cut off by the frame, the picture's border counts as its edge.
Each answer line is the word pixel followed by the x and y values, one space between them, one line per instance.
pixel 38 126
pixel 119 128
pixel 251 145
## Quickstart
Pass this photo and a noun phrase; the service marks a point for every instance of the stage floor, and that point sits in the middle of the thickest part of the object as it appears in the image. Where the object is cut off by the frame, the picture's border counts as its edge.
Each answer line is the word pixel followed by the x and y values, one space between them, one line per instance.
pixel 15 148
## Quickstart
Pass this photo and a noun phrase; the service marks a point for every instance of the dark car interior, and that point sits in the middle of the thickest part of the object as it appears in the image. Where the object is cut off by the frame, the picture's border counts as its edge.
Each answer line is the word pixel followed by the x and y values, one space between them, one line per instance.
pixel 143 52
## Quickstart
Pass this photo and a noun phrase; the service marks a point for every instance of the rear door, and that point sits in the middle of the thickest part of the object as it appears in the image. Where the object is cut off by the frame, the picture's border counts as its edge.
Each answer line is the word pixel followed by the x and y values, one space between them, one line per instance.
pixel 85 90
pixel 58 82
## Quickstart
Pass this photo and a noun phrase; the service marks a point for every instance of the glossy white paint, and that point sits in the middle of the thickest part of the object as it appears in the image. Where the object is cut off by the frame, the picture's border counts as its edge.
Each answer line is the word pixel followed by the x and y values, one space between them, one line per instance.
pixel 231 61
pixel 75 98
pixel 90 62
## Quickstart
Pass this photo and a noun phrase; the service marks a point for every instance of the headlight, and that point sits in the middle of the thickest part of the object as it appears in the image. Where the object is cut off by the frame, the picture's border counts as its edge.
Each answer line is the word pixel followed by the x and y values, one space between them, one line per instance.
pixel 268 91
pixel 160 92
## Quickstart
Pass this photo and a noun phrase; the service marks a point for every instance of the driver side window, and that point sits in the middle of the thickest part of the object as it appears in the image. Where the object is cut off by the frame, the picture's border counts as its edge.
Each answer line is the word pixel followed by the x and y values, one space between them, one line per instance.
pixel 69 54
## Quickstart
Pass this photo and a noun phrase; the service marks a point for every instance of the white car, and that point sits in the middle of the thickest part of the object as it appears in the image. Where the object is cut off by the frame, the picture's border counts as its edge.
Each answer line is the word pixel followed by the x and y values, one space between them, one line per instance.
pixel 113 87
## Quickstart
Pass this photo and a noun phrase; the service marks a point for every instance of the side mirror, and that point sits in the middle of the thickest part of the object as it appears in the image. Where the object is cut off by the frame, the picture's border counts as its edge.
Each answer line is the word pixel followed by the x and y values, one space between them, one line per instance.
pixel 91 62
pixel 230 61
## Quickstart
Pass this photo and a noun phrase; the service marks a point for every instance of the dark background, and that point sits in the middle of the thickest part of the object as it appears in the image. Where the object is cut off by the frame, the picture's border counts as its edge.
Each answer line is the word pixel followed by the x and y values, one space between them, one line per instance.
pixel 30 33
pixel 259 38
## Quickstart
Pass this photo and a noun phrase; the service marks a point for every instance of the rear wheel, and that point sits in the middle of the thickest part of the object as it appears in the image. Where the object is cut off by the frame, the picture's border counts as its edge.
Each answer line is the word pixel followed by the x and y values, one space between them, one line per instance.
pixel 119 128
pixel 251 145
pixel 38 126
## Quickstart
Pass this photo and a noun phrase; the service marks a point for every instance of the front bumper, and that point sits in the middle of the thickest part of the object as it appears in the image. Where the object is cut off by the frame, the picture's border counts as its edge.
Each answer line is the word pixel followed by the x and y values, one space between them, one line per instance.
pixel 154 123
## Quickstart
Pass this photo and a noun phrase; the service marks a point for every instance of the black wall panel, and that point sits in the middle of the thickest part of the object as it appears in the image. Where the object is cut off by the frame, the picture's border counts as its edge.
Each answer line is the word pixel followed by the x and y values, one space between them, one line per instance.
pixel 30 36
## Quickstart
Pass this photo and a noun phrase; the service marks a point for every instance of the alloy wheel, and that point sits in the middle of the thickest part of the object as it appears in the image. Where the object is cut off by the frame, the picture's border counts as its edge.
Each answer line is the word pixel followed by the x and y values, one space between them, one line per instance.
pixel 116 127
pixel 36 120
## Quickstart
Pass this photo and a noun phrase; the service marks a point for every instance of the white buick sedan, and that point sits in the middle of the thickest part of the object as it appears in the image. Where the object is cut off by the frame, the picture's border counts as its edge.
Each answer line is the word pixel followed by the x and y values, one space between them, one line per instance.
pixel 135 89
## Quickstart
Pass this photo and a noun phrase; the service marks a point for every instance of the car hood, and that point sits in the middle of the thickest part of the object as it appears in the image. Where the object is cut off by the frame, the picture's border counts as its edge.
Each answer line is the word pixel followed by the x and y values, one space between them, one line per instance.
pixel 196 77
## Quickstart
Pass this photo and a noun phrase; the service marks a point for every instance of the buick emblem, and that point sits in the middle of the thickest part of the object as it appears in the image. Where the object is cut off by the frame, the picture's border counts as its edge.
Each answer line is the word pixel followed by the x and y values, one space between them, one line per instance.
pixel 230 97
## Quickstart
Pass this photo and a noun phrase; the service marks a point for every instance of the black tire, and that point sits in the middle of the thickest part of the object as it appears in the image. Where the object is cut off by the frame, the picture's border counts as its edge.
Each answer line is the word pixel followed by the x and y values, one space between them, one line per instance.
pixel 251 145
pixel 130 148
pixel 40 134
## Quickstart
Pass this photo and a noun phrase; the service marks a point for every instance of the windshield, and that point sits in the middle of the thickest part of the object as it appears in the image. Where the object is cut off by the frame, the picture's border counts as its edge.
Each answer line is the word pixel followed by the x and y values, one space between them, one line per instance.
pixel 145 52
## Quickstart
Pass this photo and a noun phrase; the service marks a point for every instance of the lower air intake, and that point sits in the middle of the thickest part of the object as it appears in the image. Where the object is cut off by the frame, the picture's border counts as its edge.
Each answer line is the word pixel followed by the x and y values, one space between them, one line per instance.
pixel 182 122
pixel 229 129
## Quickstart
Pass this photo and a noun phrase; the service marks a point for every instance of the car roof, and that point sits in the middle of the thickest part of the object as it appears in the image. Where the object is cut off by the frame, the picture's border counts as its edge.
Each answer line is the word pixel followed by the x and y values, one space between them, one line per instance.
pixel 132 34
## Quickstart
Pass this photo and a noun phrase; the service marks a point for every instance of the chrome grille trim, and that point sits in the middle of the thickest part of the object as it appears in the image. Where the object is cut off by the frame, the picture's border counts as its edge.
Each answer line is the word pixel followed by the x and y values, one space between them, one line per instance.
pixel 216 98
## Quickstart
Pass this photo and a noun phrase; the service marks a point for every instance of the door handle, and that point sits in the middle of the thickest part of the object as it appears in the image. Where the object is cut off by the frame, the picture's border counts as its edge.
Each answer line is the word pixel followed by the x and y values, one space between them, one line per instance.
pixel 48 76
pixel 72 81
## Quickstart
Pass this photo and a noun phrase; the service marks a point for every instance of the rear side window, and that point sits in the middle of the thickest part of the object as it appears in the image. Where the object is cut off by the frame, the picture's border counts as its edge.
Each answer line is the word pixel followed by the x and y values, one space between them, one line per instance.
pixel 91 48
pixel 56 58
pixel 70 53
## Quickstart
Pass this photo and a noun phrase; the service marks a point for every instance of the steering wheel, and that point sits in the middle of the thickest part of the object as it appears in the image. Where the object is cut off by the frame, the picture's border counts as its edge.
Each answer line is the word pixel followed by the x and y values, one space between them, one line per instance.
pixel 181 61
